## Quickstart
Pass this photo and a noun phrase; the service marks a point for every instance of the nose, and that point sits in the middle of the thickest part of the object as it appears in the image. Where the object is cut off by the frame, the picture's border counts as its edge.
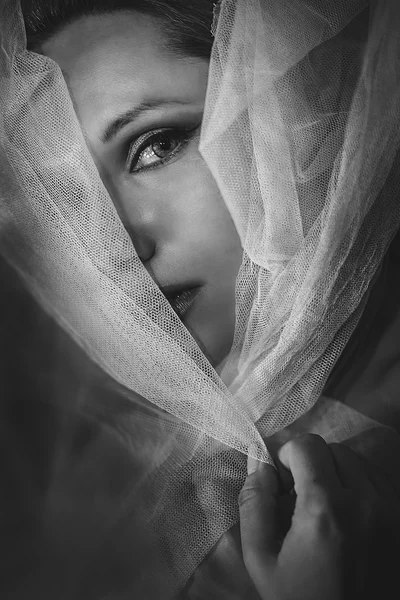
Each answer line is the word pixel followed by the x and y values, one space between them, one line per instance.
pixel 143 241
pixel 139 223
pixel 138 216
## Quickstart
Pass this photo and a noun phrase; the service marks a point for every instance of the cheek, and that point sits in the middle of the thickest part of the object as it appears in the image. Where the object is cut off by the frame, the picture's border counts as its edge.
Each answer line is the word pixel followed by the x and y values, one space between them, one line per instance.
pixel 201 212
pixel 181 209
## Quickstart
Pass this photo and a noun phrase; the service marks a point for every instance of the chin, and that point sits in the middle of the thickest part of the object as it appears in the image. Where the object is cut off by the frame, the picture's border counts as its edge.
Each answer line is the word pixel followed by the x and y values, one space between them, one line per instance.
pixel 211 321
pixel 215 351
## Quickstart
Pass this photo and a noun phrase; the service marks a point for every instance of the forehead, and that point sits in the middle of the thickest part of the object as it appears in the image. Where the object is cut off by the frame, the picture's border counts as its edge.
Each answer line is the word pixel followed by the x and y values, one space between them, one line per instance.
pixel 114 61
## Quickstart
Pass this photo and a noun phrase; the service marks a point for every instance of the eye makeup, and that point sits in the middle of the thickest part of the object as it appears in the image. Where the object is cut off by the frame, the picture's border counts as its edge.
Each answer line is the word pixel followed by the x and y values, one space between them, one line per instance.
pixel 158 147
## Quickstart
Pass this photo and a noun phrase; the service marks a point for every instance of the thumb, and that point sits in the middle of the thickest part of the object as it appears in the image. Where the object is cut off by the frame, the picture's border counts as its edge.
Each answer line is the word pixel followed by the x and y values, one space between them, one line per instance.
pixel 259 523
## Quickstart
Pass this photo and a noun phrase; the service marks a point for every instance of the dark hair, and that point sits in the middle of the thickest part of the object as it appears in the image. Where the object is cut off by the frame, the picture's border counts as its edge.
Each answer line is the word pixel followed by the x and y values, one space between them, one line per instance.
pixel 186 23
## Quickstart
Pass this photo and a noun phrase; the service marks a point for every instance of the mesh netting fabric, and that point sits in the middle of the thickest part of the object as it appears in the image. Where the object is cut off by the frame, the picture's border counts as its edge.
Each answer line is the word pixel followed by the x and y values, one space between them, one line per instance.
pixel 301 132
pixel 304 149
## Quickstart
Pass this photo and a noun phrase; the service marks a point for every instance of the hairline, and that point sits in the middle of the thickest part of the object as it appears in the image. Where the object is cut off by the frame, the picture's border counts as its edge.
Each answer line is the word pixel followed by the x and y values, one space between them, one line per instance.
pixel 171 47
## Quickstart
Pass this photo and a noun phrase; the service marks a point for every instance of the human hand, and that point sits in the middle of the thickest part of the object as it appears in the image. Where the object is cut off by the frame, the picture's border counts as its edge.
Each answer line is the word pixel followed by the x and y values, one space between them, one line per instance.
pixel 323 551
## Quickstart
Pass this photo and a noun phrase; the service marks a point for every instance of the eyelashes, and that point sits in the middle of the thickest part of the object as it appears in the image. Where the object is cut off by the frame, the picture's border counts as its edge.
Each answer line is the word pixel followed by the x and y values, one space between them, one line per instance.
pixel 157 148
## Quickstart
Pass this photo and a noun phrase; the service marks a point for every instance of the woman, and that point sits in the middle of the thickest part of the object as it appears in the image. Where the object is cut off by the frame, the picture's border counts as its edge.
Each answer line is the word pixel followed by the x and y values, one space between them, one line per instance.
pixel 153 107
pixel 299 239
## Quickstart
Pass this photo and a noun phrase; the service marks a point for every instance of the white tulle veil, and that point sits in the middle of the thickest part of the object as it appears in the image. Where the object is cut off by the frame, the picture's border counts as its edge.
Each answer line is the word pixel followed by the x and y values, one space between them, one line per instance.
pixel 301 132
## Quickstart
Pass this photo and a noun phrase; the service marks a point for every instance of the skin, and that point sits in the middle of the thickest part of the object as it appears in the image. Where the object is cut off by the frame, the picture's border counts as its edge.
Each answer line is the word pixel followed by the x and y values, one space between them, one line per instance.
pixel 182 232
pixel 174 213
pixel 342 539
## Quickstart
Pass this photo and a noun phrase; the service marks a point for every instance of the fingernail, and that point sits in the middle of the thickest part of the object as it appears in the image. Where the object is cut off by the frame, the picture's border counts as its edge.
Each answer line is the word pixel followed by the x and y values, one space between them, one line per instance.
pixel 252 465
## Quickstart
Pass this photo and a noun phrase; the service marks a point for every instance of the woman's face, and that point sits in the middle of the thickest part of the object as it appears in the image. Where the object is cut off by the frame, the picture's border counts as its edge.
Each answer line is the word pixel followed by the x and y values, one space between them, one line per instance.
pixel 140 108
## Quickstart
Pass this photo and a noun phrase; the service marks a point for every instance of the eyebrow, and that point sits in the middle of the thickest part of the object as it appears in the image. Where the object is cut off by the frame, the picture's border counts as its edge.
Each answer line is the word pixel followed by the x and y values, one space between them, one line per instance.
pixel 115 126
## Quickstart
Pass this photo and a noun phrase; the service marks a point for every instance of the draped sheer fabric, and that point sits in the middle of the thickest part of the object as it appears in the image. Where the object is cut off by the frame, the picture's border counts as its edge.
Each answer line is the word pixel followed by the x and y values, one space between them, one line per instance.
pixel 301 132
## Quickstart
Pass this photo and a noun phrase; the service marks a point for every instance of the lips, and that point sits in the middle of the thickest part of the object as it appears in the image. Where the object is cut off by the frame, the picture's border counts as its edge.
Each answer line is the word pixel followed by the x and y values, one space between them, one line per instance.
pixel 181 298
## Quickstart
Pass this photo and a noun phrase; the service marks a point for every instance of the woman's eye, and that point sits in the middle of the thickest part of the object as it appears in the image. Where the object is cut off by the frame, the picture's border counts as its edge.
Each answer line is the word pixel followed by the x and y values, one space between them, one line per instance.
pixel 156 149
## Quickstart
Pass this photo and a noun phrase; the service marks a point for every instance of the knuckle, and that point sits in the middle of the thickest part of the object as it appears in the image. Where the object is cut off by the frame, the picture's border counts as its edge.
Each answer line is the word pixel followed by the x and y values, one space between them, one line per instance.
pixel 325 525
pixel 318 500
pixel 323 516
pixel 318 504
pixel 329 529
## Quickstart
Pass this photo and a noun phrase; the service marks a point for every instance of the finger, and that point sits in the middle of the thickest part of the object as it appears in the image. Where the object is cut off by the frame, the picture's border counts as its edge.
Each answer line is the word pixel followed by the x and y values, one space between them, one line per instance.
pixel 311 463
pixel 258 507
pixel 383 464
pixel 286 481
pixel 351 469
pixel 358 474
